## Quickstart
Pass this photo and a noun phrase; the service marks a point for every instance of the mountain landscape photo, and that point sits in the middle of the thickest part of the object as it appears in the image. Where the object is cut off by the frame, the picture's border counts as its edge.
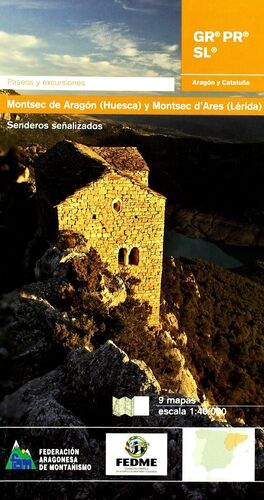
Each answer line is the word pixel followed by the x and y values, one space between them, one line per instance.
pixel 131 254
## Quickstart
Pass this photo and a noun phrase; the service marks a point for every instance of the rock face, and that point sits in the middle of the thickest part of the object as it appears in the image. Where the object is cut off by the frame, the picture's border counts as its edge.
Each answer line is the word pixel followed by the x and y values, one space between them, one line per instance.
pixel 55 263
pixel 210 226
pixel 109 370
pixel 108 296
pixel 28 401
pixel 18 212
pixel 184 382
pixel 48 264
pixel 91 379
pixel 26 332
pixel 83 385
pixel 188 385
pixel 79 393
pixel 110 289
pixel 31 318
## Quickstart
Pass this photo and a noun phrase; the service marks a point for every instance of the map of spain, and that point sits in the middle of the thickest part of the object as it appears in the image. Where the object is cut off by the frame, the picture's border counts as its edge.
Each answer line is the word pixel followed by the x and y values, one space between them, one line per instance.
pixel 218 454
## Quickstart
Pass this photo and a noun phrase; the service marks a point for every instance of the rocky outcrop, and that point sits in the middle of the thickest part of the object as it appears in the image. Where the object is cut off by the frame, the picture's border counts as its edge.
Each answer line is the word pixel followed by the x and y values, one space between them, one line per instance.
pixel 110 290
pixel 31 398
pixel 188 385
pixel 108 370
pixel 91 379
pixel 48 264
pixel 27 323
pixel 32 350
pixel 18 214
pixel 27 156
pixel 215 227
pixel 184 381
pixel 80 390
pixel 78 387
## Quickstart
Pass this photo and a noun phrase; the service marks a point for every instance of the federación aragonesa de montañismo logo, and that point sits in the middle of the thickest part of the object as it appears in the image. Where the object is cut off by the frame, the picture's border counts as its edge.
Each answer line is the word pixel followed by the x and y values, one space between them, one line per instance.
pixel 20 459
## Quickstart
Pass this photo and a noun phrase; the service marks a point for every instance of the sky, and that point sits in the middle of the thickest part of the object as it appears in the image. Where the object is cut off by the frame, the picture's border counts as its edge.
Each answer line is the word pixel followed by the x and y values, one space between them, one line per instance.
pixel 90 37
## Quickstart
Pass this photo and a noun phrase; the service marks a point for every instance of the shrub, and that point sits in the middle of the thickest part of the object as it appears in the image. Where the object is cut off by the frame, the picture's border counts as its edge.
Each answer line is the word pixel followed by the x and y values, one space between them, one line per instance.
pixel 224 326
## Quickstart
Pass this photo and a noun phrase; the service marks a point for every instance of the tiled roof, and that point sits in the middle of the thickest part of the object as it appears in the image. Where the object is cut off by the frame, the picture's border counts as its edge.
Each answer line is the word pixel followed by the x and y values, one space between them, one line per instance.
pixel 69 166
pixel 126 159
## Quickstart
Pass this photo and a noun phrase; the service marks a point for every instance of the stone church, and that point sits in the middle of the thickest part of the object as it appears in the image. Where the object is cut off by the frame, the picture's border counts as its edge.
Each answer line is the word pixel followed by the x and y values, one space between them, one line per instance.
pixel 103 193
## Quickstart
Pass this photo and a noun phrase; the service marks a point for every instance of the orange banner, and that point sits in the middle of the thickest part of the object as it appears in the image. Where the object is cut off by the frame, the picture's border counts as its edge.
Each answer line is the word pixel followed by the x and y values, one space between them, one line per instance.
pixel 126 105
pixel 222 41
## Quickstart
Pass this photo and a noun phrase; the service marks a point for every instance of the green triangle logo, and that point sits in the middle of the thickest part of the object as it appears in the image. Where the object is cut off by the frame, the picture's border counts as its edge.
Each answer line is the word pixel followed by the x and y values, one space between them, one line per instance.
pixel 20 459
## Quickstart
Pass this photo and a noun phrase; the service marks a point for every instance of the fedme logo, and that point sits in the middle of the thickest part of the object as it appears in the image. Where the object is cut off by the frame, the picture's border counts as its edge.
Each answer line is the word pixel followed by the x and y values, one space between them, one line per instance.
pixel 136 447
pixel 144 454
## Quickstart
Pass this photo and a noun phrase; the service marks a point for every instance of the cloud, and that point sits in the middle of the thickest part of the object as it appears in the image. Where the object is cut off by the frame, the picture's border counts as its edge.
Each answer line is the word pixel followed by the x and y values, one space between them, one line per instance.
pixel 17 41
pixel 153 64
pixel 30 4
pixel 20 58
pixel 145 5
pixel 100 49
pixel 171 48
pixel 86 66
pixel 110 38
pixel 113 51
pixel 116 41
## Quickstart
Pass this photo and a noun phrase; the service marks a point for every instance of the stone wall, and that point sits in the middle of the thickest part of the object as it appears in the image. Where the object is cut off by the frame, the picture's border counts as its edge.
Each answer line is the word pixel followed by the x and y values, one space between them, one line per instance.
pixel 115 213
pixel 141 176
pixel 5 116
pixel 9 116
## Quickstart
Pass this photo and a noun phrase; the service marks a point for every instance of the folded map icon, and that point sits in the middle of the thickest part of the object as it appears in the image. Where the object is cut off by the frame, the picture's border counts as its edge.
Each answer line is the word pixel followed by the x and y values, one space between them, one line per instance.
pixel 136 406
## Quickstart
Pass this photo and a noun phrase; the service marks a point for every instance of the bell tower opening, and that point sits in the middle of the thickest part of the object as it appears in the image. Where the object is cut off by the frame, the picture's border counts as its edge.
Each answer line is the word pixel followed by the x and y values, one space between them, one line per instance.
pixel 122 257
pixel 134 257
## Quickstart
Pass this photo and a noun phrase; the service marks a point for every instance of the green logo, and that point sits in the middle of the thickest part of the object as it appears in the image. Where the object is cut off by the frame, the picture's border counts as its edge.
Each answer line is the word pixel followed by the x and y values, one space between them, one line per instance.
pixel 20 459
pixel 136 446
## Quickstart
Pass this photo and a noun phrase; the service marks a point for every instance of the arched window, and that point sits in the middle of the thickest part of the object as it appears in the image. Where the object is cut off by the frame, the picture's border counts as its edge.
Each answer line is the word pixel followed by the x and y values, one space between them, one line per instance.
pixel 122 256
pixel 134 257
pixel 117 205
